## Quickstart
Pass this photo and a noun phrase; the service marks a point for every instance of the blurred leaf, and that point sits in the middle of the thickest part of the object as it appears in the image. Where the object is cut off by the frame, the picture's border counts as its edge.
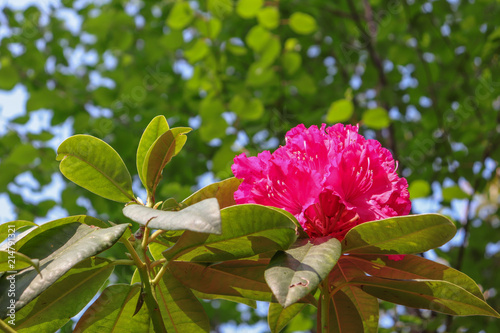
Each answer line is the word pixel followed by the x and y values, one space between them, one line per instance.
pixel 247 230
pixel 291 62
pixel 454 192
pixel 203 217
pixel 303 23
pixel 248 8
pixel 180 15
pixel 340 111
pixel 251 109
pixel 197 52
pixel 294 273
pixel 399 235
pixel 269 17
pixel 419 189
pixel 377 118
pixel 94 165
pixel 22 154
pixel 257 38
pixel 8 77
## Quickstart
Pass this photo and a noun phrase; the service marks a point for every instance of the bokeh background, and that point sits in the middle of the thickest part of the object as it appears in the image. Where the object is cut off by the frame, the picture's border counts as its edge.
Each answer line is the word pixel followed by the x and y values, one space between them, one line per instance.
pixel 422 77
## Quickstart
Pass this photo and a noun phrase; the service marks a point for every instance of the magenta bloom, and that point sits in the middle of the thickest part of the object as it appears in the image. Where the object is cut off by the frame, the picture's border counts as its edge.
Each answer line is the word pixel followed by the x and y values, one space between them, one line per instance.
pixel 331 179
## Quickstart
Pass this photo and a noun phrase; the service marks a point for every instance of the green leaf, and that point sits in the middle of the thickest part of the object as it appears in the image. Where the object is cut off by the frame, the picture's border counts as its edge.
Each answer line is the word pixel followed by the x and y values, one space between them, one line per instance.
pixel 294 273
pixel 413 267
pixel 180 309
pixel 366 306
pixel 180 16
pixel 94 165
pixel 278 317
pixel 376 118
pixel 248 8
pixel 454 192
pixel 155 129
pixel 399 235
pixel 58 249
pixel 269 17
pixel 114 311
pixel 160 153
pixel 242 300
pixel 14 261
pixel 8 77
pixel 250 109
pixel 419 188
pixel 236 278
pixel 435 295
pixel 22 154
pixel 197 52
pixel 65 298
pixel 203 217
pixel 291 62
pixel 302 23
pixel 343 316
pixel 247 230
pixel 340 111
pixel 257 38
pixel 8 230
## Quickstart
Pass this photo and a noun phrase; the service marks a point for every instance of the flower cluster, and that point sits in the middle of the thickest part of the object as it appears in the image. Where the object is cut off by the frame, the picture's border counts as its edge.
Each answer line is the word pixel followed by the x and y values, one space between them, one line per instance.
pixel 331 179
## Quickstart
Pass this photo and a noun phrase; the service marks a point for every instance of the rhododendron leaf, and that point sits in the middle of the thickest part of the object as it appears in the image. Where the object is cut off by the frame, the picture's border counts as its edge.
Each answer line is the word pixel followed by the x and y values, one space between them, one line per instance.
pixel 399 235
pixel 366 305
pixel 237 278
pixel 65 298
pixel 114 311
pixel 278 317
pixel 92 164
pixel 223 191
pixel 203 216
pixel 413 267
pixel 58 249
pixel 343 316
pixel 155 129
pixel 242 300
pixel 10 261
pixel 247 230
pixel 294 273
pixel 435 295
pixel 179 307
pixel 160 153
pixel 6 228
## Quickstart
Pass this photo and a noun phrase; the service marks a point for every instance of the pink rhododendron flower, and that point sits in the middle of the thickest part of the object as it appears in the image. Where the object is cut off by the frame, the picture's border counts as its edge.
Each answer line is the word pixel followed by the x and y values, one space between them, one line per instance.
pixel 331 179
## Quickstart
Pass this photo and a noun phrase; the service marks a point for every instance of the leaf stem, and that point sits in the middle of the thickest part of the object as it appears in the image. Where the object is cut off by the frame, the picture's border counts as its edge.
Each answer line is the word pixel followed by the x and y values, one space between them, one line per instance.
pixel 155 234
pixel 6 328
pixel 160 274
pixel 324 298
pixel 122 262
pixel 135 257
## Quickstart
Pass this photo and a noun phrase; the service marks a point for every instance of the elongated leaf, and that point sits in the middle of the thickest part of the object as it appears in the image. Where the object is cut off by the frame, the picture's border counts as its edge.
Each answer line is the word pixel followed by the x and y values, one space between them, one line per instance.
pixel 294 273
pixel 414 267
pixel 10 228
pixel 238 278
pixel 180 309
pixel 94 165
pixel 223 191
pixel 114 311
pixel 278 317
pixel 201 217
pixel 435 295
pixel 65 298
pixel 399 235
pixel 58 249
pixel 247 230
pixel 343 316
pixel 242 300
pixel 155 129
pixel 160 153
pixel 14 261
pixel 366 305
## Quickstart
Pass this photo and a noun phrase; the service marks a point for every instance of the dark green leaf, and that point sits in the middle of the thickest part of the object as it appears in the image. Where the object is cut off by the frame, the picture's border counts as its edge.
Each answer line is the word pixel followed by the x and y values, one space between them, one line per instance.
pixel 247 230
pixel 95 166
pixel 399 235
pixel 203 216
pixel 294 273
